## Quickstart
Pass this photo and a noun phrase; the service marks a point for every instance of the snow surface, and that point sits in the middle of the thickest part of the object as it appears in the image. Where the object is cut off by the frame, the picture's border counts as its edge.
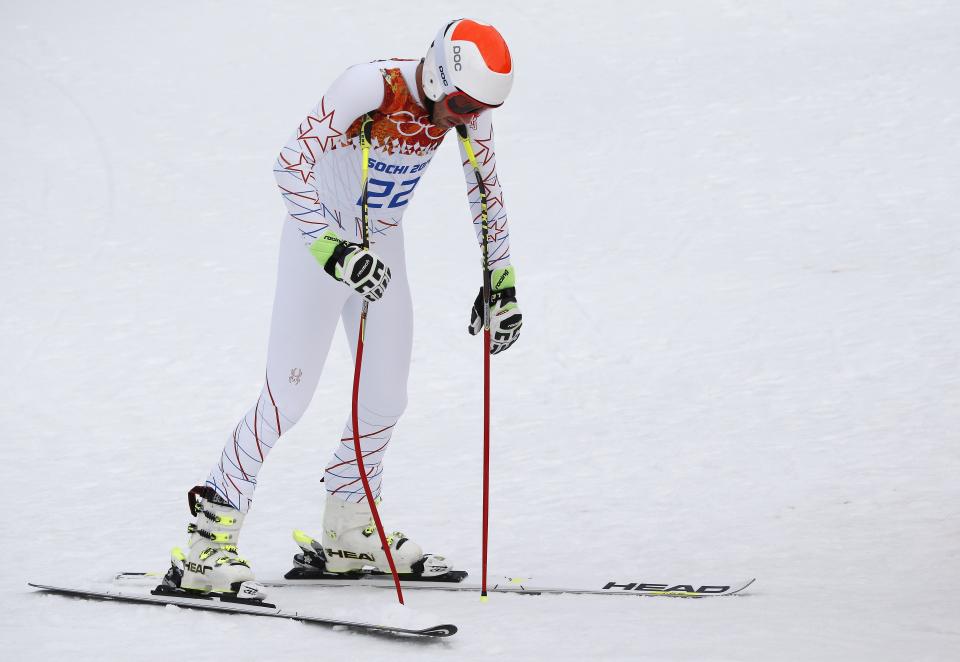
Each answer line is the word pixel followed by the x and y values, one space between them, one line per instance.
pixel 736 230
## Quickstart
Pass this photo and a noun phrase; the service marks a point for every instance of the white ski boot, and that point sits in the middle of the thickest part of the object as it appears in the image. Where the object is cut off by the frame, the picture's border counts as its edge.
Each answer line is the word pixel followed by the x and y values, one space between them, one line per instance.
pixel 211 563
pixel 351 544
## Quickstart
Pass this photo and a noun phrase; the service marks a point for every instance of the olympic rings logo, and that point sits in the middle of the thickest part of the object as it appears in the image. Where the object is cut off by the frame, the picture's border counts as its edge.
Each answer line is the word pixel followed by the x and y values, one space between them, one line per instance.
pixel 408 125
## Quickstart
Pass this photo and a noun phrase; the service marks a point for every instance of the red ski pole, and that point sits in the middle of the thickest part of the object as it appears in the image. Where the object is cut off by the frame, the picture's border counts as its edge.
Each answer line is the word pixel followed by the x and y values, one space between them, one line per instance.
pixel 486 450
pixel 365 128
pixel 485 304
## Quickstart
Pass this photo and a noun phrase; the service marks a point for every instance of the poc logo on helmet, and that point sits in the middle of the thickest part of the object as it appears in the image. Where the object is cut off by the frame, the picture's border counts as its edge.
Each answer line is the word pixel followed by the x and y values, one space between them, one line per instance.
pixel 457 58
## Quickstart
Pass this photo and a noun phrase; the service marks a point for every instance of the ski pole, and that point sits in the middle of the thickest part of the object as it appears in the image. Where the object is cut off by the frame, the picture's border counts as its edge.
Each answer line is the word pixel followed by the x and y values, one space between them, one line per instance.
pixel 366 126
pixel 485 303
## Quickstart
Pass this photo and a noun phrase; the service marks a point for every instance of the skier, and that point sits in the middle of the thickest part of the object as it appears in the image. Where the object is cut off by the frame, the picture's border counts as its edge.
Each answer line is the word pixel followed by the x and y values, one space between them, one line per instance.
pixel 325 274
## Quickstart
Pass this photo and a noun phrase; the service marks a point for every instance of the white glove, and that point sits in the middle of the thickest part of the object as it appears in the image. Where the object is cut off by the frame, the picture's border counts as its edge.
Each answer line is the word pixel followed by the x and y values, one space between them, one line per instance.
pixel 360 269
pixel 505 316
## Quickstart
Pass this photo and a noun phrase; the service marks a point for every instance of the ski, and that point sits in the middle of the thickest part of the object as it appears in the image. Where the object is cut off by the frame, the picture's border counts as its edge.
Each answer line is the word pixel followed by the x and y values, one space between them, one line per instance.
pixel 523 586
pixel 241 606
pixel 516 585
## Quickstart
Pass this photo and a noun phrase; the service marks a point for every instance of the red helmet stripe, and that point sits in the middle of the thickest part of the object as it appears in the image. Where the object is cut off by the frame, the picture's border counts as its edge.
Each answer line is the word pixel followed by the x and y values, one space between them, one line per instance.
pixel 492 46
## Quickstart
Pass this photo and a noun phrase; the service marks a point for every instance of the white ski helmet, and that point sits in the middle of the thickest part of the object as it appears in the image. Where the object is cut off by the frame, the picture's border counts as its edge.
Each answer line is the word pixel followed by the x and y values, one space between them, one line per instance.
pixel 471 57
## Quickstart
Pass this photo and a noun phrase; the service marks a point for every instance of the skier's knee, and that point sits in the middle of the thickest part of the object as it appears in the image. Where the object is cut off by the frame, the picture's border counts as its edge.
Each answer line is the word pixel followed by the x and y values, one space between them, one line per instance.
pixel 286 410
pixel 384 409
pixel 393 405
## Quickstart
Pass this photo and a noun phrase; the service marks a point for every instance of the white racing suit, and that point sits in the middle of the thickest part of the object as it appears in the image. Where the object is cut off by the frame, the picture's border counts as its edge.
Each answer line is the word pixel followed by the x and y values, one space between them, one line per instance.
pixel 318 172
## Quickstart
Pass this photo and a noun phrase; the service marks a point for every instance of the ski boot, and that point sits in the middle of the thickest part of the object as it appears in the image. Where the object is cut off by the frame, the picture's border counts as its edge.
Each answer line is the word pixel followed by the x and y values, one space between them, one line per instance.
pixel 351 548
pixel 211 563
